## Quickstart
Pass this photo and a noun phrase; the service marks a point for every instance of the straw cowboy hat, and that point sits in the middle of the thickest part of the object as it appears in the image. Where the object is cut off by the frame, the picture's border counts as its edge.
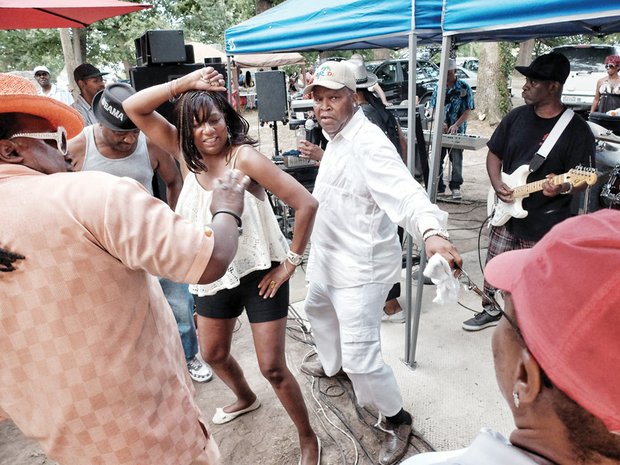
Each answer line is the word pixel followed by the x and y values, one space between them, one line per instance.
pixel 363 79
pixel 18 95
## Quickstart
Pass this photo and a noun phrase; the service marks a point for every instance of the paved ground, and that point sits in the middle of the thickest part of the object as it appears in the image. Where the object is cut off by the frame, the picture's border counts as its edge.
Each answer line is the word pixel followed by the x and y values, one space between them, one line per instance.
pixel 451 392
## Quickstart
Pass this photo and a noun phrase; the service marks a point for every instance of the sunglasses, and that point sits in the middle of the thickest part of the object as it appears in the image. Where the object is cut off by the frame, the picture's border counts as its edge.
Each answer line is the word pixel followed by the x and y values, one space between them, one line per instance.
pixel 42 73
pixel 610 66
pixel 60 136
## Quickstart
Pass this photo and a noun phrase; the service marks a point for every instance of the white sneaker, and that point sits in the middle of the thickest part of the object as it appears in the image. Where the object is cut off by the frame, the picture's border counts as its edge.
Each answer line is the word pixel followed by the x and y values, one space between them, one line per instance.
pixel 398 317
pixel 456 194
pixel 199 371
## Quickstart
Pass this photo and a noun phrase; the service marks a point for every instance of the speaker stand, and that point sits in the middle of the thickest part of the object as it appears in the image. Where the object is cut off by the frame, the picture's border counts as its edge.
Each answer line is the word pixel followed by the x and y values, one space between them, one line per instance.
pixel 274 126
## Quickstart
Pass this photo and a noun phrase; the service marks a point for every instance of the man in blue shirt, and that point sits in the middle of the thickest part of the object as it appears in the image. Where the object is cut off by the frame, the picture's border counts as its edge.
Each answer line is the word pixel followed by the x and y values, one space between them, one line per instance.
pixel 458 106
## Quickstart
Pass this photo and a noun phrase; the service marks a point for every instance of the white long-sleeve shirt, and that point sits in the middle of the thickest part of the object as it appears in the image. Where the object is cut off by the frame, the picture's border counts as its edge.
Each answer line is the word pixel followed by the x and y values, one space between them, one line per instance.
pixel 364 190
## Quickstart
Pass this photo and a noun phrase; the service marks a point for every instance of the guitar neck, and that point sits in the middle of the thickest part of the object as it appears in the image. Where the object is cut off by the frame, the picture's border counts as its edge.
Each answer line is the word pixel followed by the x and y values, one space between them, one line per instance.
pixel 530 187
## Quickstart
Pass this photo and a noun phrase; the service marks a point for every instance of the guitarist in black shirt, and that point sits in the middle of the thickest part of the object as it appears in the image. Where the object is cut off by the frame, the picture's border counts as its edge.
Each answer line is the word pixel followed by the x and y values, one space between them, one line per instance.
pixel 514 143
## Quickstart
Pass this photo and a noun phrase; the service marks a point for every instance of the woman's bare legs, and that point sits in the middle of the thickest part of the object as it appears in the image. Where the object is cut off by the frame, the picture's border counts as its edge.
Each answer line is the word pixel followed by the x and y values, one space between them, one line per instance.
pixel 269 339
pixel 215 339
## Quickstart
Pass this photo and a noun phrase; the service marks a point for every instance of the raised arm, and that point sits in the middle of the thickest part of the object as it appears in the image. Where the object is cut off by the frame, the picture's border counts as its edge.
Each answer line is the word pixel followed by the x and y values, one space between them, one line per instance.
pixel 141 106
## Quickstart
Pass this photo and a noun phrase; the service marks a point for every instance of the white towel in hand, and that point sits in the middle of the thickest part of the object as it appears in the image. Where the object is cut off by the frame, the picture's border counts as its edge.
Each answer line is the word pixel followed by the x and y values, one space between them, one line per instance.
pixel 438 270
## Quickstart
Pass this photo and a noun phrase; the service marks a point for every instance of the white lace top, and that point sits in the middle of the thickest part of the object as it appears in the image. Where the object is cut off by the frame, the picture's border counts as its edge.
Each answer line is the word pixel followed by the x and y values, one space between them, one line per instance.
pixel 261 243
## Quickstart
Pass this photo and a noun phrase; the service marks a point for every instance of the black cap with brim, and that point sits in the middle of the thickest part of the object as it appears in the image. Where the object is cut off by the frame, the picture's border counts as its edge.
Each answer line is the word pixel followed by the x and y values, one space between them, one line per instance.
pixel 108 107
pixel 550 67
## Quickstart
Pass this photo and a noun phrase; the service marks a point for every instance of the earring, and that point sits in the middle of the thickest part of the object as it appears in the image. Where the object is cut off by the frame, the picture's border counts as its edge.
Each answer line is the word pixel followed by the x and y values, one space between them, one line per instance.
pixel 515 399
pixel 229 138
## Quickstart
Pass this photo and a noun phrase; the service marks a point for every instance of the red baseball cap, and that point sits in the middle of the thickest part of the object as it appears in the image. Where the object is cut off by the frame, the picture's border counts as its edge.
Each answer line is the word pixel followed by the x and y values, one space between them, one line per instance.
pixel 566 294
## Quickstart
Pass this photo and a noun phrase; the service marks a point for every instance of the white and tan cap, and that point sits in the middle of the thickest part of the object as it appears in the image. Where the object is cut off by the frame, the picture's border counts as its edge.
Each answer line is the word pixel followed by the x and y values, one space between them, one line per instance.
pixel 333 75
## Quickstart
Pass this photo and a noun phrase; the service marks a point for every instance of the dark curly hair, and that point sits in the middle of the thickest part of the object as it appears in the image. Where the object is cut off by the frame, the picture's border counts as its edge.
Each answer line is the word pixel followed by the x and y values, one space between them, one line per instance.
pixel 7 260
pixel 194 108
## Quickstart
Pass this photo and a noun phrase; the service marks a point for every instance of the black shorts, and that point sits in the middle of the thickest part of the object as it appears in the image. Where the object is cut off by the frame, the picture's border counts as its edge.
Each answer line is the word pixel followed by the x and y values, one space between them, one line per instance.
pixel 229 303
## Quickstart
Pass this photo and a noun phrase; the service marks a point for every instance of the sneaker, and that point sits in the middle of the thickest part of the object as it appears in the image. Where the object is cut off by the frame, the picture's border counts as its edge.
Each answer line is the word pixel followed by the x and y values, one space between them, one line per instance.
pixel 456 194
pixel 398 317
pixel 481 320
pixel 199 371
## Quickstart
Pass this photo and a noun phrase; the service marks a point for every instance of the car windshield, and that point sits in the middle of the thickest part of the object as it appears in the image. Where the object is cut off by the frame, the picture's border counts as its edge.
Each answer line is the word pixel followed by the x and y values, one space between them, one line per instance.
pixel 588 59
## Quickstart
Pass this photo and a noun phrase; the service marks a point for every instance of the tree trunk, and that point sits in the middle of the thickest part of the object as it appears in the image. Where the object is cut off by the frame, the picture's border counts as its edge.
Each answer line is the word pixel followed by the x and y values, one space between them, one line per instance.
pixel 487 102
pixel 70 61
pixel 381 54
pixel 524 58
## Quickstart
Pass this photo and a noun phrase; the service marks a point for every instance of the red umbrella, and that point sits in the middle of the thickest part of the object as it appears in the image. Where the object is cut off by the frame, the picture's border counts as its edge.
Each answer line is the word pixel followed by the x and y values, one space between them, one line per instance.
pixel 35 14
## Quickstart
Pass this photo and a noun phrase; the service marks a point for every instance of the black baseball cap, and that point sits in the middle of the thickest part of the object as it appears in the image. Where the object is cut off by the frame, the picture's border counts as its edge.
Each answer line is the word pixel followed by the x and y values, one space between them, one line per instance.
pixel 550 67
pixel 108 107
pixel 86 71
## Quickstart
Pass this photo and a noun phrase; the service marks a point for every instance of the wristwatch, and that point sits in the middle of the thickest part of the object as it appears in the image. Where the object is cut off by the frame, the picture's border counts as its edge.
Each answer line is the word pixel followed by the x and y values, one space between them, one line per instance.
pixel 294 258
pixel 436 232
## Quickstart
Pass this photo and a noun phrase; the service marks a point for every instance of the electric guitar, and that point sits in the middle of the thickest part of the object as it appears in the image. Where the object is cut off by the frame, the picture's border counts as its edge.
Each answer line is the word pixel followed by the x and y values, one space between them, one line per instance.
pixel 500 212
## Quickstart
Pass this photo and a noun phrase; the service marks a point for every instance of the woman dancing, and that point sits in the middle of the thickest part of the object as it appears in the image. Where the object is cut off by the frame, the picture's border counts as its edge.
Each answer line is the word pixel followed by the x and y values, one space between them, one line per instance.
pixel 212 138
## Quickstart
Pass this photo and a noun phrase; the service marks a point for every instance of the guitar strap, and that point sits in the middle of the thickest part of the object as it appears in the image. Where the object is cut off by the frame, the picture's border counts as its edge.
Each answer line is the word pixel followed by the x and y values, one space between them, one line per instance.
pixel 552 138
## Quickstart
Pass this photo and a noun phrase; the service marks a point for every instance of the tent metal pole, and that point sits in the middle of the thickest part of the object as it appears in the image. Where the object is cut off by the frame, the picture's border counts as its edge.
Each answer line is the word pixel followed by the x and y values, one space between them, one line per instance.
pixel 414 325
pixel 412 318
pixel 231 86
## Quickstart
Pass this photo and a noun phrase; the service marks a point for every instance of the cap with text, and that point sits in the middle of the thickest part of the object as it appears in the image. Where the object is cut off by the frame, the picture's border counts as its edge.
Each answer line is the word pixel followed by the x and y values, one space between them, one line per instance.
pixel 333 75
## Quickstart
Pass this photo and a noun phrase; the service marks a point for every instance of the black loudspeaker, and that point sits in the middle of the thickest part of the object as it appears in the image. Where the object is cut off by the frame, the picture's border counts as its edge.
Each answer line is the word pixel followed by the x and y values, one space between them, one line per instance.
pixel 160 47
pixel 189 53
pixel 147 76
pixel 271 94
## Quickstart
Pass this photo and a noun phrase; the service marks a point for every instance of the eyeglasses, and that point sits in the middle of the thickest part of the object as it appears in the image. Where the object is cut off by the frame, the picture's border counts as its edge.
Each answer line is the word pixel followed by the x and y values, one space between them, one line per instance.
pixel 60 136
pixel 41 73
pixel 610 66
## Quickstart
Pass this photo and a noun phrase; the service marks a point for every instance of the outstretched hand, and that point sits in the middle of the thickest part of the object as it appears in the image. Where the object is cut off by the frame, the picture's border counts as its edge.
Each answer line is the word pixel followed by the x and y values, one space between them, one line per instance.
pixel 228 192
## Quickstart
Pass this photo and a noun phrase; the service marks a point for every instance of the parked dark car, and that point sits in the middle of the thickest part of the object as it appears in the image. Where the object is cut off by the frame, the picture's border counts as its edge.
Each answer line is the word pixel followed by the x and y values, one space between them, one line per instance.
pixel 394 79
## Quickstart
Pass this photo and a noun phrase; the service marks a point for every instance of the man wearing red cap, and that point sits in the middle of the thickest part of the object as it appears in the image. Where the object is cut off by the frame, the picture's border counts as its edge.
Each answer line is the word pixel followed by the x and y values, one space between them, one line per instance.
pixel 92 366
pixel 557 351
pixel 515 145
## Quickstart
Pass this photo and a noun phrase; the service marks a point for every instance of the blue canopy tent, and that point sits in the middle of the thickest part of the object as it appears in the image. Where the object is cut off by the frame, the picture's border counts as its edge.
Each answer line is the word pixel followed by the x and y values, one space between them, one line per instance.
pixel 300 25
pixel 320 25
pixel 482 20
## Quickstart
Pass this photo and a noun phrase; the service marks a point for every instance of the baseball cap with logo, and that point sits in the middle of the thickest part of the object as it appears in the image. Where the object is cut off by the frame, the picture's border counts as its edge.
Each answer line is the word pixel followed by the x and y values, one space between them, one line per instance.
pixel 86 71
pixel 566 299
pixel 108 107
pixel 550 67
pixel 333 75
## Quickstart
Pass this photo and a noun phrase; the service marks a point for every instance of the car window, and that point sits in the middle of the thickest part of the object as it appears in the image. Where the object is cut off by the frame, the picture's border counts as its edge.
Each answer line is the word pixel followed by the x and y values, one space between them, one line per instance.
pixel 387 73
pixel 429 68
pixel 460 74
pixel 405 69
pixel 586 58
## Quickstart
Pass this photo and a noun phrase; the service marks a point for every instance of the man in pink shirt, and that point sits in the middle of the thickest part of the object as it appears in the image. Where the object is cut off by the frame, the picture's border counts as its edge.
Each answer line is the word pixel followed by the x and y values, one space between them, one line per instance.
pixel 90 359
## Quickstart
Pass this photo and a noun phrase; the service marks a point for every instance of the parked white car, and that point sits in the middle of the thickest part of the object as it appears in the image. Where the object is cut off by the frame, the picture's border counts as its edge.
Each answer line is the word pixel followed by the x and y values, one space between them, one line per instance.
pixel 467 76
pixel 586 64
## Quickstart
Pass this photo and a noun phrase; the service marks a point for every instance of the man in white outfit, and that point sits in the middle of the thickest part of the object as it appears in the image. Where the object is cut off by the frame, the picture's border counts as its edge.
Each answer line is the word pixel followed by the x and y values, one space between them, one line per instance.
pixel 355 256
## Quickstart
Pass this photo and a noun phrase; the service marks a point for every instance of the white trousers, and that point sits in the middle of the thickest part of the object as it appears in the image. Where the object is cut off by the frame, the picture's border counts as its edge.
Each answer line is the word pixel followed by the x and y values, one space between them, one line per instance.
pixel 346 325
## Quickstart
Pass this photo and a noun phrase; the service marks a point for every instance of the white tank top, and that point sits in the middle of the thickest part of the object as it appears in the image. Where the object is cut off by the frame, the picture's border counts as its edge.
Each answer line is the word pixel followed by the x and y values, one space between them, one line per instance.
pixel 136 166
pixel 261 243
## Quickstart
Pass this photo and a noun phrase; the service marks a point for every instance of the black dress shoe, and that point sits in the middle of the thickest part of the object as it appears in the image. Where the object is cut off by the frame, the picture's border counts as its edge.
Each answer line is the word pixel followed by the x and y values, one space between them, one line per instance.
pixel 395 444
